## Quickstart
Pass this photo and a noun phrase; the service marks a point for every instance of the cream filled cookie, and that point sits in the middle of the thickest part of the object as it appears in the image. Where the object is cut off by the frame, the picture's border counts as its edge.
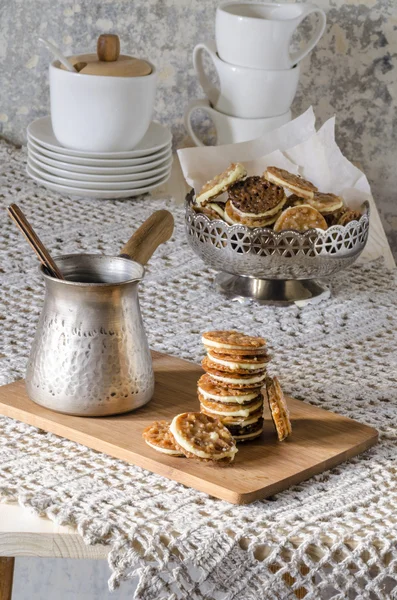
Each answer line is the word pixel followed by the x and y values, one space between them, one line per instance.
pixel 235 363
pixel 211 210
pixel 220 409
pixel 221 183
pixel 232 340
pixel 296 184
pixel 233 379
pixel 158 436
pixel 211 390
pixel 234 216
pixel 325 203
pixel 256 198
pixel 300 218
pixel 278 408
pixel 203 437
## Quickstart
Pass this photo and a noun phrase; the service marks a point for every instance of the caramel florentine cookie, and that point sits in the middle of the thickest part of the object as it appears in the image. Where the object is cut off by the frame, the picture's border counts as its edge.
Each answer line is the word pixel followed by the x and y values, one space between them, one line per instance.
pixel 300 218
pixel 221 183
pixel 296 184
pixel 256 198
pixel 218 409
pixel 211 210
pixel 211 390
pixel 333 218
pixel 158 436
pixel 242 430
pixel 233 379
pixel 232 340
pixel 228 420
pixel 349 215
pixel 235 363
pixel 278 408
pixel 233 217
pixel 325 203
pixel 203 437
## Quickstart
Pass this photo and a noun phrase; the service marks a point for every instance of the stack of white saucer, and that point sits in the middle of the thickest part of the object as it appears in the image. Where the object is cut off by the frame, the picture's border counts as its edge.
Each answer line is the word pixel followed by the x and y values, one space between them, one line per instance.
pixel 99 174
pixel 258 74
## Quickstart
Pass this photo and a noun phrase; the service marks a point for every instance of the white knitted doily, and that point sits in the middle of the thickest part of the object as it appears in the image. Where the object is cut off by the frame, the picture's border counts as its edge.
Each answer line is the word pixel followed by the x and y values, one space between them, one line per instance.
pixel 333 536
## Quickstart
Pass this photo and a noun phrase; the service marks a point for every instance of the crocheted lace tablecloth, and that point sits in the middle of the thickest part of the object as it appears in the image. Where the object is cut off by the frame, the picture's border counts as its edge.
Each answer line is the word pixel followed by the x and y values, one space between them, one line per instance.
pixel 333 536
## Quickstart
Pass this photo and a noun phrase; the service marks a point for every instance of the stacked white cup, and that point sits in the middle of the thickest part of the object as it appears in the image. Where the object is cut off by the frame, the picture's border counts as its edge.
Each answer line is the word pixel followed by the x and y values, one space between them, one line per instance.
pixel 257 72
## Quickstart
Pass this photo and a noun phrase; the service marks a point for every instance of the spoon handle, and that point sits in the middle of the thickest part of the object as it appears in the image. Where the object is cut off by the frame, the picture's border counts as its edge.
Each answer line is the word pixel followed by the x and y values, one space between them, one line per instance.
pixel 45 258
pixel 56 52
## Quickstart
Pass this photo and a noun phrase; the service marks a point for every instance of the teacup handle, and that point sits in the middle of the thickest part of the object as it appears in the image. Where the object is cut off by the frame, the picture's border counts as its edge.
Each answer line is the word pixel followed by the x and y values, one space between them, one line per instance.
pixel 210 90
pixel 310 9
pixel 195 105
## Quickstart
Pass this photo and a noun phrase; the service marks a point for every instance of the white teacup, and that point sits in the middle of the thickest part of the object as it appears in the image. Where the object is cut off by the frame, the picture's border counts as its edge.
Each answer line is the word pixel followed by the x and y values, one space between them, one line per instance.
pixel 246 93
pixel 231 130
pixel 258 35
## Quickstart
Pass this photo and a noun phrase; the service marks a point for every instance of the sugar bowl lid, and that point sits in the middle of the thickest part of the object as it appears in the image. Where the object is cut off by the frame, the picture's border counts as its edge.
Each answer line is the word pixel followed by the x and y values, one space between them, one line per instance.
pixel 109 62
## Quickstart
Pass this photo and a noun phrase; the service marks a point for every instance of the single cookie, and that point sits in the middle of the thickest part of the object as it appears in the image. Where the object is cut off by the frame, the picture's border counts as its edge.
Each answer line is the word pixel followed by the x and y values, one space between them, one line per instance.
pixel 203 437
pixel 219 184
pixel 211 210
pixel 211 390
pixel 219 409
pixel 248 436
pixel 158 436
pixel 239 420
pixel 235 363
pixel 348 216
pixel 242 430
pixel 235 217
pixel 333 218
pixel 296 184
pixel 234 380
pixel 256 198
pixel 278 408
pixel 325 203
pixel 300 218
pixel 232 340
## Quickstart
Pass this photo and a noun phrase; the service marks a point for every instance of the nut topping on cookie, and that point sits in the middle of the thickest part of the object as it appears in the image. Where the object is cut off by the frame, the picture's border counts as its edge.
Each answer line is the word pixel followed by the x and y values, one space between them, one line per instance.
pixel 296 184
pixel 219 184
pixel 203 437
pixel 158 436
pixel 300 218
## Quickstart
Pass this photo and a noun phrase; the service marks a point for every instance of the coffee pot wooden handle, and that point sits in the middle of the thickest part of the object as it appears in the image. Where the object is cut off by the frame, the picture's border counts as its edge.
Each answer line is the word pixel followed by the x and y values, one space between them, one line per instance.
pixel 108 47
pixel 156 230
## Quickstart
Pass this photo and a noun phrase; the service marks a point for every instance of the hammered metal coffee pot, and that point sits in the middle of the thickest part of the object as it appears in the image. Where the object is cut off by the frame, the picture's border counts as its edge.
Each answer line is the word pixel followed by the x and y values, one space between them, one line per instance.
pixel 90 355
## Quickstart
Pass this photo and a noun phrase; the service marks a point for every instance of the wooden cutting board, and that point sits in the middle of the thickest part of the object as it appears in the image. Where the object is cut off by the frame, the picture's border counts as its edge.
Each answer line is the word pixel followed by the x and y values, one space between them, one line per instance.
pixel 320 439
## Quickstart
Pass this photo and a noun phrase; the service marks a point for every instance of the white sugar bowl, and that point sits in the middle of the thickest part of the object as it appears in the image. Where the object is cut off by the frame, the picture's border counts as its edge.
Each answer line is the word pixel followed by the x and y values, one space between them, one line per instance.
pixel 107 104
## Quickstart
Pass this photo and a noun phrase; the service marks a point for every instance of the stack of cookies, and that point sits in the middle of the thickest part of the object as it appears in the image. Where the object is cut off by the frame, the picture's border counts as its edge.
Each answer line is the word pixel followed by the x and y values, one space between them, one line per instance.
pixel 235 368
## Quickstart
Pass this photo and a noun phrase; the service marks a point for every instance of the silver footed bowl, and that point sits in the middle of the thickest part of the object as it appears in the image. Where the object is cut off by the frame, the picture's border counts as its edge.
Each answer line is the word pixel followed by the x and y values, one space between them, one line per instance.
pixel 264 254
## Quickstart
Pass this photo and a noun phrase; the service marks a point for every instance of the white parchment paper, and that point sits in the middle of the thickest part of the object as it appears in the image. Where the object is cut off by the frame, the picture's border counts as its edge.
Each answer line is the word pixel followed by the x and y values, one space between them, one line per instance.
pixel 299 148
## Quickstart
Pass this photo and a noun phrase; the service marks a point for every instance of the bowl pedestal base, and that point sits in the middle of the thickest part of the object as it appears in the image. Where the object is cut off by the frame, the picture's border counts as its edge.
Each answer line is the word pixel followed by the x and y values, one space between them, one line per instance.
pixel 271 291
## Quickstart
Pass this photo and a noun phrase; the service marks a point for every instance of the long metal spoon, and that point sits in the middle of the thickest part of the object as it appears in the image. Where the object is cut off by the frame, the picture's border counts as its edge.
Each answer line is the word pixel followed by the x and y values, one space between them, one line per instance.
pixel 56 52
pixel 44 256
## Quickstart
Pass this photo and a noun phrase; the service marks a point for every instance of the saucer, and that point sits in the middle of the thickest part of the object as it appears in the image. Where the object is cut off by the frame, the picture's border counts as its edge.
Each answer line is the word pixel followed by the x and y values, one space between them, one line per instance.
pixel 98 162
pixel 164 156
pixel 157 137
pixel 98 185
pixel 73 175
pixel 95 193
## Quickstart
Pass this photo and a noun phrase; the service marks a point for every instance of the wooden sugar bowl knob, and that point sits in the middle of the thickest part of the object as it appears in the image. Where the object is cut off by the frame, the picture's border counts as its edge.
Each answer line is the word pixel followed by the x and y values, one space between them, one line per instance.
pixel 109 62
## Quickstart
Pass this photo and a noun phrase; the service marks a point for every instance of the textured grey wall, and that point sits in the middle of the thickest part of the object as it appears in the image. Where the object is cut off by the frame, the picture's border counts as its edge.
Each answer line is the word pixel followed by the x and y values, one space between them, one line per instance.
pixel 351 73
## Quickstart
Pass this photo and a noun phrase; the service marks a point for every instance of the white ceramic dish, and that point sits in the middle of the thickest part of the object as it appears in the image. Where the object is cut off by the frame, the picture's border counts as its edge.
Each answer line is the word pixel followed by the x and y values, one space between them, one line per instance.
pixel 258 35
pixel 99 162
pixel 98 185
pixel 156 138
pixel 98 178
pixel 246 93
pixel 99 113
pixel 76 168
pixel 232 130
pixel 94 193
